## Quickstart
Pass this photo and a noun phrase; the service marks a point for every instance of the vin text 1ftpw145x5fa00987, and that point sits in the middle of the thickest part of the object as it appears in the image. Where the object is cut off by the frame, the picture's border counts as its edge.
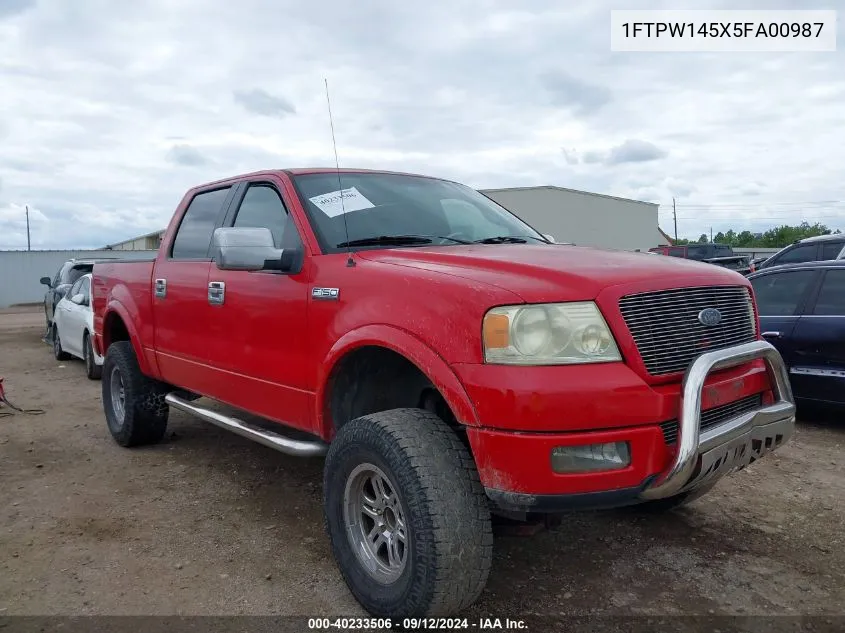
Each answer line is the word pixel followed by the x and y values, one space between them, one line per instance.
pixel 447 360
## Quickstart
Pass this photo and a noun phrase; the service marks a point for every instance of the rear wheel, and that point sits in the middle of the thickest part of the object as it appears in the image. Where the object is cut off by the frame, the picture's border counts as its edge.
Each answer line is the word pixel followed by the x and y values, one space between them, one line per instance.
pixel 58 352
pixel 134 405
pixel 92 369
pixel 407 517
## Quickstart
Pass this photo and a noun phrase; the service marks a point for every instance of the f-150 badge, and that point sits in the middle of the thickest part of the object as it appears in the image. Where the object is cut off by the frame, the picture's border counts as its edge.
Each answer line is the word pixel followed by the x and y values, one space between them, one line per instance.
pixel 325 294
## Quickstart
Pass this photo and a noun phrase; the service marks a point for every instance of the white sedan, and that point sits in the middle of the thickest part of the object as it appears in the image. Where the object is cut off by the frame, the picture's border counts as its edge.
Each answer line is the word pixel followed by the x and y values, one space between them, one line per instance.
pixel 73 322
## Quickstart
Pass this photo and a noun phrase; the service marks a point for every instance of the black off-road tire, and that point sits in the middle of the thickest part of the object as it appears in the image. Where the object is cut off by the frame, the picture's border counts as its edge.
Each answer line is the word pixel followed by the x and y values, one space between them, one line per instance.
pixel 92 369
pixel 58 352
pixel 145 412
pixel 450 544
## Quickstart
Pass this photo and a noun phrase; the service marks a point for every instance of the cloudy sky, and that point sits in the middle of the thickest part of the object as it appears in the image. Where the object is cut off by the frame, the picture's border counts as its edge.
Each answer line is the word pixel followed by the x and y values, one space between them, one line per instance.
pixel 111 109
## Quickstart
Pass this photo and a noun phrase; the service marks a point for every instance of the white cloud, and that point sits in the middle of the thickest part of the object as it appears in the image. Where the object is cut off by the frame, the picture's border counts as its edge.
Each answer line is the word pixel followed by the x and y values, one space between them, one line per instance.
pixel 111 110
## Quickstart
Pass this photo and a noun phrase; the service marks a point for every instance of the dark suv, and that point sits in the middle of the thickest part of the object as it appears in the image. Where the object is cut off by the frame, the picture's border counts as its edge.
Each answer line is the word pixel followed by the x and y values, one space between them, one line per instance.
pixel 811 249
pixel 69 272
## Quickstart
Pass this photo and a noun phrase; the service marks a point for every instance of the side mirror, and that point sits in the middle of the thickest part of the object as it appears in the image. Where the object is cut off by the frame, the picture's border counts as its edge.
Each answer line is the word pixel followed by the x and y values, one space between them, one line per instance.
pixel 78 299
pixel 251 249
pixel 549 237
pixel 47 281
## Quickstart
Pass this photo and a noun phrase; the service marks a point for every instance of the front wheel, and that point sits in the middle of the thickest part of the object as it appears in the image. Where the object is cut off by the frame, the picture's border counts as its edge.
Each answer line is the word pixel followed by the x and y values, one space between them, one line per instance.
pixel 136 412
pixel 407 517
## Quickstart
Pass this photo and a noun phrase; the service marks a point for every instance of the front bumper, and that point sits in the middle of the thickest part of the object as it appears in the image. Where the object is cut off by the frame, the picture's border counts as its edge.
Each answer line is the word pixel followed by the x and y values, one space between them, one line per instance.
pixel 515 467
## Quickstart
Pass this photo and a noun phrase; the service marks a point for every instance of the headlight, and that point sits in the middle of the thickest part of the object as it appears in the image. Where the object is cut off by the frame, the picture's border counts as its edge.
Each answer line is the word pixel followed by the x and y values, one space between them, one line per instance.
pixel 548 334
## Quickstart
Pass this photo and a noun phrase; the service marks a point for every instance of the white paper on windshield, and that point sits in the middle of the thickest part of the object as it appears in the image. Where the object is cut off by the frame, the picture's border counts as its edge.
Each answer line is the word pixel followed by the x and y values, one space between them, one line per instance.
pixel 336 203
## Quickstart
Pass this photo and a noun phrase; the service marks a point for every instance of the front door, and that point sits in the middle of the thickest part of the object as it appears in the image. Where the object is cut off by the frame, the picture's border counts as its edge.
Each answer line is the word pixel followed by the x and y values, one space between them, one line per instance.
pixel 781 298
pixel 819 342
pixel 75 320
pixel 258 343
pixel 180 295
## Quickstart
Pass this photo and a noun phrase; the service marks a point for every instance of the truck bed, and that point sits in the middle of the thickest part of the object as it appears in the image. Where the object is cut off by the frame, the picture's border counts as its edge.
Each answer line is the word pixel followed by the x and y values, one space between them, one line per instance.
pixel 127 282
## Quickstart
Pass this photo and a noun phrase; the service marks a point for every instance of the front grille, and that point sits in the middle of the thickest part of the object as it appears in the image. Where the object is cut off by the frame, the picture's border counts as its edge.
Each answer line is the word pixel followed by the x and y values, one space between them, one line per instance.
pixel 667 331
pixel 715 416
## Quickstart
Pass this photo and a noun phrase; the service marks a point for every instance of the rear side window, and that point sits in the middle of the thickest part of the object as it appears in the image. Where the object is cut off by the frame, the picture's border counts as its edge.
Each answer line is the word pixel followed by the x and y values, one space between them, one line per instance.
pixel 831 299
pixel 677 252
pixel 806 253
pixel 831 250
pixel 194 235
pixel 780 294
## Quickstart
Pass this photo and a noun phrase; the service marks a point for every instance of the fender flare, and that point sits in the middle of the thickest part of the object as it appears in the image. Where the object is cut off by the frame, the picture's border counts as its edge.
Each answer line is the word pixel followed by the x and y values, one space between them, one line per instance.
pixel 116 307
pixel 429 362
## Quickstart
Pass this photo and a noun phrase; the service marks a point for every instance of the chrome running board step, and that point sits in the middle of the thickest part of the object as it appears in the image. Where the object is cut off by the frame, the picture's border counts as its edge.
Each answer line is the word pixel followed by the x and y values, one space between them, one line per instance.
pixel 300 448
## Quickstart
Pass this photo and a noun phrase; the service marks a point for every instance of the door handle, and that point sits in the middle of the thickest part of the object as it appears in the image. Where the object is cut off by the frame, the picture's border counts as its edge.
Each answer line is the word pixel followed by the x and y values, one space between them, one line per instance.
pixel 772 334
pixel 161 288
pixel 216 292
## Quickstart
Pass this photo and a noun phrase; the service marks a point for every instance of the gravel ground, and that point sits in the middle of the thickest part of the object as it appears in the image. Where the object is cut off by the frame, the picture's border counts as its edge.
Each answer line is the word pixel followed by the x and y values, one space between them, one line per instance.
pixel 208 523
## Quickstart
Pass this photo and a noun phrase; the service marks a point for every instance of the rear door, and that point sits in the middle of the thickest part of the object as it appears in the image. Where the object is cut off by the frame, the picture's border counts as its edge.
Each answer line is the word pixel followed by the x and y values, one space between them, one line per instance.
pixel 180 293
pixel 781 298
pixel 258 343
pixel 819 339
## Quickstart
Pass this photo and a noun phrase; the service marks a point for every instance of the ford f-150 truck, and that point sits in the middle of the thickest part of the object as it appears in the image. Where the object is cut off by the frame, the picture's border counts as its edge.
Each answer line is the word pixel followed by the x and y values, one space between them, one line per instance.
pixel 446 359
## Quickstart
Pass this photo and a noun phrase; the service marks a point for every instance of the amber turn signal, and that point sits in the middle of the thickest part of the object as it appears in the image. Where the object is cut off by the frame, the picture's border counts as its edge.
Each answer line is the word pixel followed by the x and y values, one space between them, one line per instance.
pixel 495 331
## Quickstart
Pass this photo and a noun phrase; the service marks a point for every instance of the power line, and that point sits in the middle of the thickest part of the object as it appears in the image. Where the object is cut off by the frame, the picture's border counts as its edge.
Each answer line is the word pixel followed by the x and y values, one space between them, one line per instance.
pixel 758 204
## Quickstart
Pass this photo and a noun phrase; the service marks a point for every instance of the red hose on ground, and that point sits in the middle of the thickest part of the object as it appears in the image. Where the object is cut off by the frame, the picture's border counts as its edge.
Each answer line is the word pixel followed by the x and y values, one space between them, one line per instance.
pixel 3 401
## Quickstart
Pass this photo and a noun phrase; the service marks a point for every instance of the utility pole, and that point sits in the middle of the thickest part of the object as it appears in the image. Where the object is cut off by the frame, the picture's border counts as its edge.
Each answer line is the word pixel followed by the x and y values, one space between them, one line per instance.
pixel 675 217
pixel 711 234
pixel 28 245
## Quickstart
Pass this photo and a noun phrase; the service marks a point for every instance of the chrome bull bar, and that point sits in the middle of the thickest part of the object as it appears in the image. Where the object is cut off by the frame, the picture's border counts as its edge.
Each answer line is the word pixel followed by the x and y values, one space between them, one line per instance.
pixel 702 458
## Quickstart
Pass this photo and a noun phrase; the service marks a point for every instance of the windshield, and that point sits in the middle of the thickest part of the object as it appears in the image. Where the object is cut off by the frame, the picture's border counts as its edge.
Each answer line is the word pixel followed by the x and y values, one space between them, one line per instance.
pixel 378 204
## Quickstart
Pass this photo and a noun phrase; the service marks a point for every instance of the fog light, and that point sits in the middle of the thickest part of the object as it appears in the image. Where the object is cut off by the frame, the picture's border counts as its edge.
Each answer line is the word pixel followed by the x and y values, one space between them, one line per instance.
pixel 589 457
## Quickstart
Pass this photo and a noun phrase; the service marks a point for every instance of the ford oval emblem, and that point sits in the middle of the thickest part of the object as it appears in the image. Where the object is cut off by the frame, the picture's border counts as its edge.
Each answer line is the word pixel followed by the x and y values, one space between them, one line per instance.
pixel 710 317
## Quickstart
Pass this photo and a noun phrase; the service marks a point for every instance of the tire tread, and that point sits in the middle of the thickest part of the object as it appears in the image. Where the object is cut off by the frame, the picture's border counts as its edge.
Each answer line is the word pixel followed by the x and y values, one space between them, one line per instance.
pixel 459 526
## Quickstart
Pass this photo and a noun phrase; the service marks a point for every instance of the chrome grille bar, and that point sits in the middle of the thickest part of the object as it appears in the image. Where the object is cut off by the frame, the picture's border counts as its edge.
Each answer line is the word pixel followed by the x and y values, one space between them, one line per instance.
pixel 668 333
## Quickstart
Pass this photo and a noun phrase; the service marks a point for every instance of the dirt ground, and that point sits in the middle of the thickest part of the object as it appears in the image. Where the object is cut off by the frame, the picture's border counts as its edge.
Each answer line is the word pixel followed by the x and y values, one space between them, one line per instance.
pixel 208 523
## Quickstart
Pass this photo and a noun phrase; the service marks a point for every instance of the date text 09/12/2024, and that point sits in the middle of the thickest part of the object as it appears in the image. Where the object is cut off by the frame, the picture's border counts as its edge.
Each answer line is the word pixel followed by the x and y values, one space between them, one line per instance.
pixel 436 624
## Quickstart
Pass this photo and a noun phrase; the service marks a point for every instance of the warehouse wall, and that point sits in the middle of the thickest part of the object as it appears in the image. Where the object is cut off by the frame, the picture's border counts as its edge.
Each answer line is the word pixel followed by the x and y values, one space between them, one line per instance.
pixel 21 270
pixel 583 218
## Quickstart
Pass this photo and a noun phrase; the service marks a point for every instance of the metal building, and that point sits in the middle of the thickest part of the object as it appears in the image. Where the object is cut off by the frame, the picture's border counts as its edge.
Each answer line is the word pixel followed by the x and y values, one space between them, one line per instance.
pixel 583 218
pixel 148 242
pixel 22 271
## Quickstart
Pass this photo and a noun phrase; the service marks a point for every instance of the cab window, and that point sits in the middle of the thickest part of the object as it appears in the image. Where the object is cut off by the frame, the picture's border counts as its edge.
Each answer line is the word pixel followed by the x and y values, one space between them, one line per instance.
pixel 781 294
pixel 262 207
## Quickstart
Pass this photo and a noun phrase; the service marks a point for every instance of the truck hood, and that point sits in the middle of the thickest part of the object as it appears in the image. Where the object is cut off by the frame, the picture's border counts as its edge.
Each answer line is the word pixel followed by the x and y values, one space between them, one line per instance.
pixel 557 272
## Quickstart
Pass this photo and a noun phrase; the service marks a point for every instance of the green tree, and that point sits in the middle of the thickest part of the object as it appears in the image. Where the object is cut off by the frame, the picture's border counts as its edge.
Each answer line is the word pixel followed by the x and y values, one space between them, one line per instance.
pixel 776 237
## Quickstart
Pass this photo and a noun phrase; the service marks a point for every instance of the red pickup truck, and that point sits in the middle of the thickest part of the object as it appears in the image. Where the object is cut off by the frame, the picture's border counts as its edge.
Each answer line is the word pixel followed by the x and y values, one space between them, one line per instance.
pixel 447 359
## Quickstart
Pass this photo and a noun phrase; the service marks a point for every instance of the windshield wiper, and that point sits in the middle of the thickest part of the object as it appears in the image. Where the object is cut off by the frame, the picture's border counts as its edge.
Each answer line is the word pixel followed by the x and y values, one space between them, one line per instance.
pixel 398 240
pixel 509 239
